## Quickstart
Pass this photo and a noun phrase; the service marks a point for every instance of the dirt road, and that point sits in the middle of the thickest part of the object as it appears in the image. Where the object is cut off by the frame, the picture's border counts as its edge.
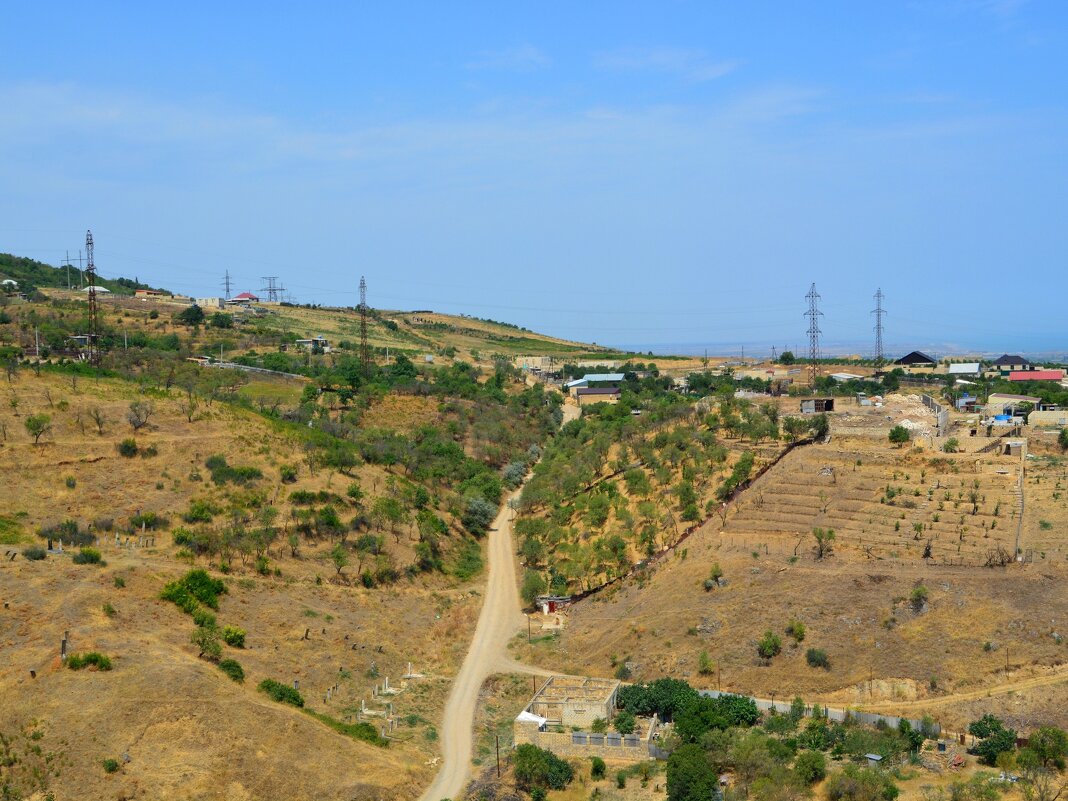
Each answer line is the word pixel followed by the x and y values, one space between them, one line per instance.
pixel 501 617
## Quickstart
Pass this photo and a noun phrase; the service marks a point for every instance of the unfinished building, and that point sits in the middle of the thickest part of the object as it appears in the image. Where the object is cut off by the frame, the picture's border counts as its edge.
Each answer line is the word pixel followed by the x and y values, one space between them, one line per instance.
pixel 561 715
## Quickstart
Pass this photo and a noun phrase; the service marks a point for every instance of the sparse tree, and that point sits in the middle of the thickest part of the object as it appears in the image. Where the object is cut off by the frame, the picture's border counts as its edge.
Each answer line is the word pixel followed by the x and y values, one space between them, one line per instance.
pixel 189 406
pixel 139 414
pixel 38 425
pixel 340 557
pixel 824 542
pixel 13 402
pixel 99 418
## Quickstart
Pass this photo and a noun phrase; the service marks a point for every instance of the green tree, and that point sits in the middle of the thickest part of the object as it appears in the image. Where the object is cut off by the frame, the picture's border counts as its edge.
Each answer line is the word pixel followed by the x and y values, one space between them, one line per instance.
pixel 624 722
pixel 536 767
pixel 206 638
pixel 810 767
pixel 994 738
pixel 787 357
pixel 861 784
pixel 478 515
pixel 1050 745
pixel 38 425
pixel 339 555
pixel 533 586
pixel 222 320
pixel 193 315
pixel 690 776
pixel 1062 439
pixel 899 435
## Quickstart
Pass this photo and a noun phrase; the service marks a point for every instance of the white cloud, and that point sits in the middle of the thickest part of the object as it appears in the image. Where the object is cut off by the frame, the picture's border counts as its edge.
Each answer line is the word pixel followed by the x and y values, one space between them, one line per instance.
pixel 521 58
pixel 693 65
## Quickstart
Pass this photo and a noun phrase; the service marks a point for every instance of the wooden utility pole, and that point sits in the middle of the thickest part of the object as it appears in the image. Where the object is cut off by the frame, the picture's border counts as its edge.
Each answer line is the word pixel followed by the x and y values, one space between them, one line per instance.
pixel 498 756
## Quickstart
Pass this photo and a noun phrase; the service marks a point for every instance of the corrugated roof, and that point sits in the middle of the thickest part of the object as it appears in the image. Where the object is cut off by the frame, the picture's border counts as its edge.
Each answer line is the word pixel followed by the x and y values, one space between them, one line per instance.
pixel 603 377
pixel 964 368
pixel 1036 375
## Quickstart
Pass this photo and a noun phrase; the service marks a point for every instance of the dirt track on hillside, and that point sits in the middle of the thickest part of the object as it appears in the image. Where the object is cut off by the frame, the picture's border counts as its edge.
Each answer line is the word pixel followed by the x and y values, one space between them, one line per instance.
pixel 501 617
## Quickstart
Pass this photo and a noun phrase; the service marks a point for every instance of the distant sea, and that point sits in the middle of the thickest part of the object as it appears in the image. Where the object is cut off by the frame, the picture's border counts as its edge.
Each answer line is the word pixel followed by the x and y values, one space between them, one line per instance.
pixel 1014 345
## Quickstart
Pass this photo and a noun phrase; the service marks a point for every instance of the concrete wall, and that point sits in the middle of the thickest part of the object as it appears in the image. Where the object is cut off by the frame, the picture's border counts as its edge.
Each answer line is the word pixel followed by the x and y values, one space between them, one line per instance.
pixel 1058 418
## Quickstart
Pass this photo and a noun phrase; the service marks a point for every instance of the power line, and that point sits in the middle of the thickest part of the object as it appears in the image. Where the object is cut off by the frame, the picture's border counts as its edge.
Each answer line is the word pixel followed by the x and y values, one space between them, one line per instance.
pixel 226 284
pixel 813 314
pixel 879 312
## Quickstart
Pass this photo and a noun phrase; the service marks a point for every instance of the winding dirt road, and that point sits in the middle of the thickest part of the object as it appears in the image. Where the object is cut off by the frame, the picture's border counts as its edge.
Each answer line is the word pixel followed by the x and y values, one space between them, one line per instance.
pixel 501 617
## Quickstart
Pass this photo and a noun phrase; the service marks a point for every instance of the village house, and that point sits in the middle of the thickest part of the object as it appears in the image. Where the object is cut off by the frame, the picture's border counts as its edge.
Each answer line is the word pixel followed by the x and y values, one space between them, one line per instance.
pixel 316 343
pixel 587 396
pixel 244 299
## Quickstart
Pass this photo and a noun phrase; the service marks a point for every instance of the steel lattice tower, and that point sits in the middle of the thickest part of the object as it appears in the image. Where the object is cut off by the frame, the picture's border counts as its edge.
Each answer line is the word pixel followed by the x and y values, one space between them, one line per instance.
pixel 92 353
pixel 365 349
pixel 879 311
pixel 813 314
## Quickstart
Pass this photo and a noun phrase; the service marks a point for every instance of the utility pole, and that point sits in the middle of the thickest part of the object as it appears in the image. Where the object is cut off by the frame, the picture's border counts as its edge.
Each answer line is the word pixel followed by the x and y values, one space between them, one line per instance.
pixel 879 311
pixel 90 272
pixel 226 284
pixel 68 271
pixel 813 314
pixel 365 350
pixel 774 355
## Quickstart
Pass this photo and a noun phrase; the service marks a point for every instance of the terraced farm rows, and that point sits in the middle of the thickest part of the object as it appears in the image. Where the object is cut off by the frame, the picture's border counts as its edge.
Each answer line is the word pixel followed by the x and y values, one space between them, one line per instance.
pixel 884 504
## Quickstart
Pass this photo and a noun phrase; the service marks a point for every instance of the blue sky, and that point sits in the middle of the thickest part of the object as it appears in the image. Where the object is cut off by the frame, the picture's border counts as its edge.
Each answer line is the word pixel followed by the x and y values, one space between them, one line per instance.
pixel 659 175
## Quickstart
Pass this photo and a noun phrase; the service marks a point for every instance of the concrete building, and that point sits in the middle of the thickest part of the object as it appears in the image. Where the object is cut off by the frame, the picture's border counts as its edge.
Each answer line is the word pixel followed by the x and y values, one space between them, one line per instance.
pixel 561 714
pixel 319 343
pixel 1007 363
pixel 817 405
pixel 1000 403
pixel 210 303
pixel 587 396
pixel 1057 418
pixel 593 380
pixel 149 294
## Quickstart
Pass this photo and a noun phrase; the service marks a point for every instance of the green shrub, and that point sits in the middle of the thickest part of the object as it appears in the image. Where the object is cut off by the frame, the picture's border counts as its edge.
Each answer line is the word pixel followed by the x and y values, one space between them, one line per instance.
pixel 148 520
pixel 34 553
pixel 200 511
pixel 221 472
pixel 899 435
pixel 233 636
pixel 109 610
pixel 233 669
pixel 796 629
pixel 195 586
pixel 288 473
pixel 810 767
pixel 206 639
pixel 202 617
pixel 111 765
pixel 536 767
pixel 597 768
pixel 88 556
pixel 817 658
pixel 282 693
pixel 361 731
pixel 621 779
pixel 769 645
pixel 468 560
pixel 91 659
pixel 71 482
pixel 120 582
pixel 128 448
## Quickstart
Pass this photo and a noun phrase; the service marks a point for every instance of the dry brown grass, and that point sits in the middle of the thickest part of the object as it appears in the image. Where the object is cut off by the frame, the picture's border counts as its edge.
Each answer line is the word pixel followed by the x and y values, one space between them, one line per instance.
pixel 854 604
pixel 189 730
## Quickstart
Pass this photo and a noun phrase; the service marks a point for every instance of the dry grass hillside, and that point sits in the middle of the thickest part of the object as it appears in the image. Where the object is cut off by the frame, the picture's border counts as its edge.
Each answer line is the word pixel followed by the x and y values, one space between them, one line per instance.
pixel 944 634
pixel 191 732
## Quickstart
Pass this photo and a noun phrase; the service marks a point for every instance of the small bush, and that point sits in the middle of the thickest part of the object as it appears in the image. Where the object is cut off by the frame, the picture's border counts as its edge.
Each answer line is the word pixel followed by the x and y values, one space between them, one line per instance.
pixel 88 556
pixel 288 473
pixel 597 768
pixel 104 524
pixel 621 779
pixel 109 610
pixel 810 767
pixel 200 511
pixel 128 448
pixel 111 765
pixel 34 553
pixel 769 645
pixel 817 658
pixel 120 582
pixel 206 639
pixel 148 520
pixel 71 482
pixel 91 659
pixel 282 693
pixel 233 669
pixel 796 629
pixel 233 636
pixel 221 472
pixel 203 618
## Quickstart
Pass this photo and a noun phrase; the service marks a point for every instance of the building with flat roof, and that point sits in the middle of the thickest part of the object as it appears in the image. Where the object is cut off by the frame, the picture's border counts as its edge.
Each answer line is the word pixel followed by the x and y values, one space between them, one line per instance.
pixel 587 396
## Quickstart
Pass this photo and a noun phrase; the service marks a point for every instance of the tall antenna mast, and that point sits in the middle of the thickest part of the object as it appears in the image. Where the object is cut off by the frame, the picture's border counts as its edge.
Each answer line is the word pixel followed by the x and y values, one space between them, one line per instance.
pixel 365 350
pixel 92 353
pixel 879 312
pixel 813 314
pixel 226 284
